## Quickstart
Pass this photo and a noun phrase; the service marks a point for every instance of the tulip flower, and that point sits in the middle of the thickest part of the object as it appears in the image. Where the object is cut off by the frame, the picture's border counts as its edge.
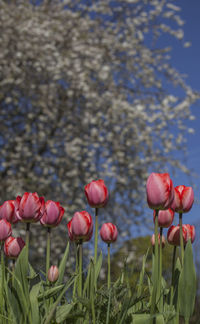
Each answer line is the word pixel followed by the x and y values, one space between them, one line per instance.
pixel 31 207
pixel 7 211
pixel 5 229
pixel 165 217
pixel 173 235
pixel 153 240
pixel 108 233
pixel 13 247
pixel 183 199
pixel 69 228
pixel 53 273
pixel 97 196
pixel 82 226
pixel 96 193
pixel 160 191
pixel 53 214
pixel 190 232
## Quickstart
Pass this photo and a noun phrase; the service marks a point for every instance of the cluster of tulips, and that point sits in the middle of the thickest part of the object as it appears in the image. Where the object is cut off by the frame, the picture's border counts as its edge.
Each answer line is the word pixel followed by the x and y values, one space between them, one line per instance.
pixel 30 208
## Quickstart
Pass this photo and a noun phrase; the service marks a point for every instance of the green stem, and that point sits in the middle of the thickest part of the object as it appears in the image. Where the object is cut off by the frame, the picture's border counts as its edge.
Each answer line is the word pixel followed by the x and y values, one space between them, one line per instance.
pixel 181 237
pixel 172 281
pixel 160 271
pixel 80 269
pixel 108 266
pixel 27 239
pixel 96 236
pixel 2 279
pixel 155 275
pixel 75 282
pixel 48 249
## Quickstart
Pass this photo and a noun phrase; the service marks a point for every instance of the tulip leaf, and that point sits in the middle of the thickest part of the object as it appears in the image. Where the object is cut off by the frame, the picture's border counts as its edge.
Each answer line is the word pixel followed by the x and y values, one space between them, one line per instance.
pixel 62 312
pixel 50 292
pixel 98 266
pixel 141 278
pixel 187 284
pixel 63 265
pixel 147 319
pixel 34 303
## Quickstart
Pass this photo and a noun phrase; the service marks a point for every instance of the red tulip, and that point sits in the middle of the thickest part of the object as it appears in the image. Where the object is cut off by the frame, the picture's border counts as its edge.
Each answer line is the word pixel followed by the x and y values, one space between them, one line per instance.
pixel 160 191
pixel 173 235
pixel 53 273
pixel 82 226
pixel 31 207
pixel 7 211
pixel 96 193
pixel 5 229
pixel 190 232
pixel 183 199
pixel 53 214
pixel 108 233
pixel 153 240
pixel 165 217
pixel 69 227
pixel 13 247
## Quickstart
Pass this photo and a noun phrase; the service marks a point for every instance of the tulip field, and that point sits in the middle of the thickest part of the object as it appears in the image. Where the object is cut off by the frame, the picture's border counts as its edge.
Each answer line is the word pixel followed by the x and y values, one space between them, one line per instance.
pixel 31 297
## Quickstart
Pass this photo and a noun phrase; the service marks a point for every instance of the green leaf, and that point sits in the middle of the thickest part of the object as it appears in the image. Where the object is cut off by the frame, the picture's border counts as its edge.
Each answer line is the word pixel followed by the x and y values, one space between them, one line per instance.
pixel 187 284
pixel 34 303
pixel 21 273
pixel 141 278
pixel 98 266
pixel 62 312
pixel 50 292
pixel 147 319
pixel 62 265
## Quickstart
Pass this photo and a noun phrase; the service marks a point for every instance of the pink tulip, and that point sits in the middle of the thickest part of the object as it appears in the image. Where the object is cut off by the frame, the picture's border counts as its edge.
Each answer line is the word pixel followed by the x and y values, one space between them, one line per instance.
pixel 108 233
pixel 165 217
pixel 173 235
pixel 153 240
pixel 69 227
pixel 82 226
pixel 53 273
pixel 190 232
pixel 5 229
pixel 13 247
pixel 160 191
pixel 53 214
pixel 31 207
pixel 7 211
pixel 183 199
pixel 96 193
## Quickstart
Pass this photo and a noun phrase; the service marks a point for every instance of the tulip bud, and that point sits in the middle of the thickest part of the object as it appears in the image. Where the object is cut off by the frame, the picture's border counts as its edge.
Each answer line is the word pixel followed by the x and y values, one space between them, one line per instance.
pixel 5 229
pixel 153 240
pixel 82 226
pixel 173 235
pixel 13 247
pixel 30 207
pixel 183 199
pixel 53 273
pixel 7 211
pixel 53 214
pixel 108 233
pixel 160 191
pixel 96 193
pixel 165 217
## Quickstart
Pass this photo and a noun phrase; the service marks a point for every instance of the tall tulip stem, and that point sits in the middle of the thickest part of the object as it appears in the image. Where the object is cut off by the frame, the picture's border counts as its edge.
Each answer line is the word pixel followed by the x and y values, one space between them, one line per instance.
pixel 160 269
pixel 48 250
pixel 173 268
pixel 80 268
pixel 155 275
pixel 96 236
pixel 181 237
pixel 2 279
pixel 27 238
pixel 108 266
